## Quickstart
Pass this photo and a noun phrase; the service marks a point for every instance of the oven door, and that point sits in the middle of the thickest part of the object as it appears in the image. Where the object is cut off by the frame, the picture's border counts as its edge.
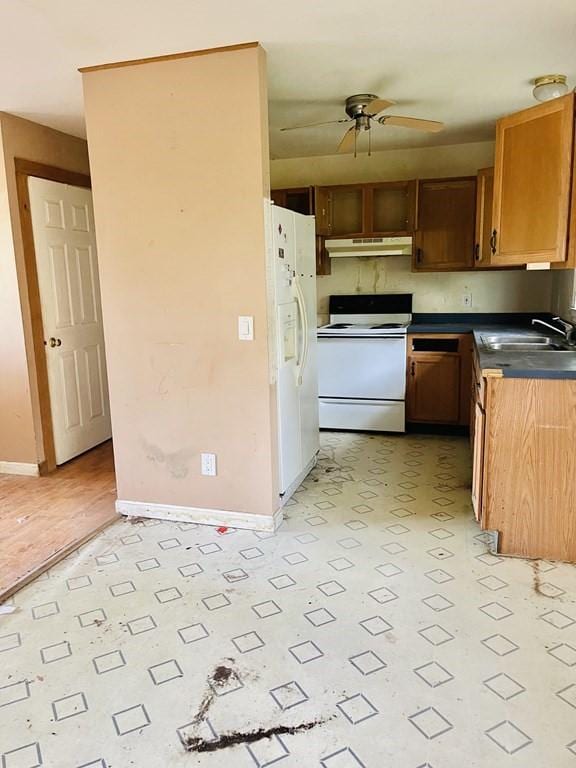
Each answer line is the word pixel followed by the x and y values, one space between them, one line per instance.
pixel 364 368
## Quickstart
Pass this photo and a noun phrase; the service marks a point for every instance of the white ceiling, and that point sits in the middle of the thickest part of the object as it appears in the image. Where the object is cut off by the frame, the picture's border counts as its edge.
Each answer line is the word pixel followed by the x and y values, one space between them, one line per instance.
pixel 464 62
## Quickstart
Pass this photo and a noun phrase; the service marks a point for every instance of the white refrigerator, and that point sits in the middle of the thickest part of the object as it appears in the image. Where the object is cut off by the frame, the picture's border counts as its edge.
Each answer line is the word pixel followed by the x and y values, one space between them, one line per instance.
pixel 292 269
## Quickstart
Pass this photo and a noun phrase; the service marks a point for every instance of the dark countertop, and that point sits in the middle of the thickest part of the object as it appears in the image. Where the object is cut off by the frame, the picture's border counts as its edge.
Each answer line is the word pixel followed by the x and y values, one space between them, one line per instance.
pixel 519 365
pixel 466 322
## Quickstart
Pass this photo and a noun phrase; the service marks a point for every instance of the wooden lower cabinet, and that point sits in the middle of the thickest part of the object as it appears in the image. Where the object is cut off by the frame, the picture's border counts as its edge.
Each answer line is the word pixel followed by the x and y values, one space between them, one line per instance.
pixel 524 465
pixel 438 380
pixel 478 459
pixel 434 388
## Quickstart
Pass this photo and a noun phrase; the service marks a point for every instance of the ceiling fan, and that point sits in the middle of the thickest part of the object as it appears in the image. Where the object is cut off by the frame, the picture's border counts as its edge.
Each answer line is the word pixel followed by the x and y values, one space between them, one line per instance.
pixel 363 110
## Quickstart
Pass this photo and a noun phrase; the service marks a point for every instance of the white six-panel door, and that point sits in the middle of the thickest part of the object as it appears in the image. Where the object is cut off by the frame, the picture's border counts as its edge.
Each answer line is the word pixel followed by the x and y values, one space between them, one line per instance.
pixel 65 245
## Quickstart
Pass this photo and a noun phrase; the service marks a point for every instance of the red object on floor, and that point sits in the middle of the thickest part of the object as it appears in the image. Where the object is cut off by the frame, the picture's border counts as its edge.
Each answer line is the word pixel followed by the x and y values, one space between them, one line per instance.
pixel 222 529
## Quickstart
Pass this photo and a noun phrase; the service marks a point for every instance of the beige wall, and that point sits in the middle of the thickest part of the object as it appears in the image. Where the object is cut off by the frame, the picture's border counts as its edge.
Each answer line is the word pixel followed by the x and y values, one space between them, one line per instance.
pixel 180 225
pixel 494 291
pixel 510 291
pixel 20 430
pixel 392 165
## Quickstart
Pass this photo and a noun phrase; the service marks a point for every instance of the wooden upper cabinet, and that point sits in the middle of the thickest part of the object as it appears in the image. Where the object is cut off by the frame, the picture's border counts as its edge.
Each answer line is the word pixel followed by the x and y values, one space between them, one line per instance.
pixel 391 208
pixel 445 215
pixel 484 199
pixel 298 199
pixel 358 210
pixel 347 210
pixel 532 180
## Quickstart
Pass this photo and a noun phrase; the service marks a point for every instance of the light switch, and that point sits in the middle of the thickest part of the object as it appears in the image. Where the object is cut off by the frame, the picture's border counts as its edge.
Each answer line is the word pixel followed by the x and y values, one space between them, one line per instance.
pixel 246 328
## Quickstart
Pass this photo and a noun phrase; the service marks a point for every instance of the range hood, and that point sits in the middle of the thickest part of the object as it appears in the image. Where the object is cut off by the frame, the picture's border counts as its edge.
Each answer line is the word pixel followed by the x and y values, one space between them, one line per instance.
pixel 369 246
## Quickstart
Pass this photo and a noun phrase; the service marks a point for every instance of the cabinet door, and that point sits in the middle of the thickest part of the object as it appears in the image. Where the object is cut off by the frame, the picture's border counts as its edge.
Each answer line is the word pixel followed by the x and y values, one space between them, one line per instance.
pixel 484 199
pixel 444 237
pixel 433 388
pixel 465 348
pixel 478 461
pixel 532 183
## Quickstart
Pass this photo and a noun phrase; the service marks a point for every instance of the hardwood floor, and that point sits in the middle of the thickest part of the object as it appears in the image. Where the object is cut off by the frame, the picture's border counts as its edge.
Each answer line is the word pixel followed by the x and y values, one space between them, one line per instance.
pixel 42 519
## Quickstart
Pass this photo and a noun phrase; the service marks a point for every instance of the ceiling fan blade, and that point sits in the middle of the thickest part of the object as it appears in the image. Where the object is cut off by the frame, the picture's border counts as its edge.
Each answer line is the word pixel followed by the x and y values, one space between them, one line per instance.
pixel 347 143
pixel 377 105
pixel 430 126
pixel 312 125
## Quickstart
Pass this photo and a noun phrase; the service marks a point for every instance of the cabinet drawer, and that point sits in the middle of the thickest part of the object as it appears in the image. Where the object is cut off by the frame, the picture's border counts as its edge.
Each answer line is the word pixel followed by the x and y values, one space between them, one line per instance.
pixel 361 414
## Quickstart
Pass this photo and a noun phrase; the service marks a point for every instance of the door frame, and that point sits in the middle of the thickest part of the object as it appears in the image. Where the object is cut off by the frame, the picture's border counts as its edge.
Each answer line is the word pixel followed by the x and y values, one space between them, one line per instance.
pixel 24 169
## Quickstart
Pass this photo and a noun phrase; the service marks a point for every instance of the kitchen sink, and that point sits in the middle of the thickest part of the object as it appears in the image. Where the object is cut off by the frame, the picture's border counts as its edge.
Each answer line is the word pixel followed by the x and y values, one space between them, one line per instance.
pixel 522 347
pixel 510 343
pixel 509 339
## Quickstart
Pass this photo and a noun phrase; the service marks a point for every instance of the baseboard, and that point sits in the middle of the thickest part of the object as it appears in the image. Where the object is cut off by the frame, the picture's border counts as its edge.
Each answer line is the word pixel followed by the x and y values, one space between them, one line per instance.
pixel 19 468
pixel 214 517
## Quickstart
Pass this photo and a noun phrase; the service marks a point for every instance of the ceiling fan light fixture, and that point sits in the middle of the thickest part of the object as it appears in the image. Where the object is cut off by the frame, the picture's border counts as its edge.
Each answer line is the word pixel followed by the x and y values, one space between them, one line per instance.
pixel 548 87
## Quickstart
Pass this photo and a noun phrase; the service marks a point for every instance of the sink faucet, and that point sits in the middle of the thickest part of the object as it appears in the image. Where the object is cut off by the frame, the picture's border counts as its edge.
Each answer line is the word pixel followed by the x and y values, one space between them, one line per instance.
pixel 567 329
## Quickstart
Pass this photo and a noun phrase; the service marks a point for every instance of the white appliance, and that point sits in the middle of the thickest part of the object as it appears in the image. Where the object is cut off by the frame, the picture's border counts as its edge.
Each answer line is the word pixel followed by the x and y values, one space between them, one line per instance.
pixel 369 246
pixel 292 268
pixel 362 362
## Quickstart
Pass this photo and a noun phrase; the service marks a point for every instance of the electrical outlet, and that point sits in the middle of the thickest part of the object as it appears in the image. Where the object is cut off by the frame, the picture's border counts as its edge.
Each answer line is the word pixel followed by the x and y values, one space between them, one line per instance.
pixel 209 464
pixel 466 299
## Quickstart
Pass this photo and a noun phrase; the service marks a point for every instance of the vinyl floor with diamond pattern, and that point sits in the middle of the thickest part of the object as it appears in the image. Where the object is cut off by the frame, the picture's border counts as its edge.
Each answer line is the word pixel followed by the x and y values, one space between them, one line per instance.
pixel 373 630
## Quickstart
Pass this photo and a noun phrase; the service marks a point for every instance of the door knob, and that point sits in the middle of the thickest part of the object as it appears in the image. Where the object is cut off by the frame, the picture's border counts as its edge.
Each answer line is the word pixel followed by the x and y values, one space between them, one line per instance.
pixel 52 342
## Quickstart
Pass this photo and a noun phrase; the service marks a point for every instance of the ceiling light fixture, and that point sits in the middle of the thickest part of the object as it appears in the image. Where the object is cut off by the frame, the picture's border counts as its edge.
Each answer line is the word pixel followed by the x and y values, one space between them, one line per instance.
pixel 549 87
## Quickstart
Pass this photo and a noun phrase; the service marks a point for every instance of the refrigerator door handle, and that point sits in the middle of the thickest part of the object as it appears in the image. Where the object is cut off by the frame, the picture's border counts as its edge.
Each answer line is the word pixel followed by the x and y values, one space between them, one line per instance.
pixel 302 357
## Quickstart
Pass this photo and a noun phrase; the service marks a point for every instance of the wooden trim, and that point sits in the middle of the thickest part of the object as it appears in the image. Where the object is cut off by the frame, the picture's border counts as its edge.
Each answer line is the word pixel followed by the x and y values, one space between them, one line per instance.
pixel 50 172
pixel 168 57
pixel 447 179
pixel 24 169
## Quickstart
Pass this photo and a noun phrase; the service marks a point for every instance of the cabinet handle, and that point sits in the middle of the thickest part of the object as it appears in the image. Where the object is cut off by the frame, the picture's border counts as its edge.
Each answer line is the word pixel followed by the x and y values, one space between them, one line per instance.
pixel 493 241
pixel 412 368
pixel 477 251
pixel 418 255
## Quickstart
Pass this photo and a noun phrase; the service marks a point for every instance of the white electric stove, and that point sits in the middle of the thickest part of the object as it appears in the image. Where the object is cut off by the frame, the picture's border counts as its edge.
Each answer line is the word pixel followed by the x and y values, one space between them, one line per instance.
pixel 362 362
